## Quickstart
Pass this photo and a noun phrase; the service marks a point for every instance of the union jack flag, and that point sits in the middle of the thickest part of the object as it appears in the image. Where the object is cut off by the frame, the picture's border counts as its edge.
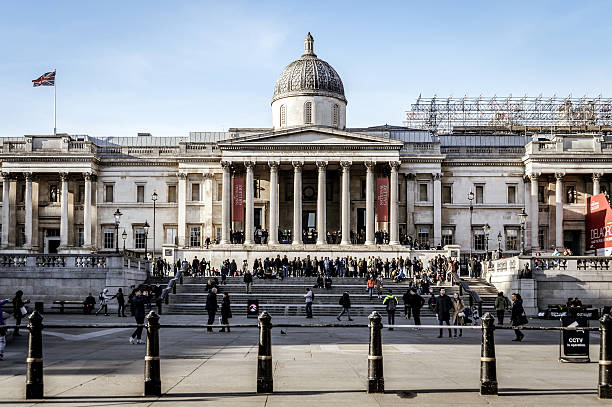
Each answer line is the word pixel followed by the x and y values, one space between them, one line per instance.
pixel 46 79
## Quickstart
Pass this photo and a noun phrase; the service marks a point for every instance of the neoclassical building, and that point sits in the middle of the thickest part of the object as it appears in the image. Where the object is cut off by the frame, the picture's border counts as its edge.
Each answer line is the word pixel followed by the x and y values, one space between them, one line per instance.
pixel 308 173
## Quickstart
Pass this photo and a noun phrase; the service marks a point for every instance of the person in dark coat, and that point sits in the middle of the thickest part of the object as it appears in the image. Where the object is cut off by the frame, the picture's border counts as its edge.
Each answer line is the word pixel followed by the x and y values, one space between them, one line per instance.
pixel 139 301
pixel 416 303
pixel 226 312
pixel 345 301
pixel 18 304
pixel 211 307
pixel 407 302
pixel 89 304
pixel 120 302
pixel 443 307
pixel 518 316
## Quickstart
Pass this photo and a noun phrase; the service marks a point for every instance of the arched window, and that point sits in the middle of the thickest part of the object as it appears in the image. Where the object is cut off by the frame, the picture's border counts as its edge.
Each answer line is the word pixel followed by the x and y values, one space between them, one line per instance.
pixel 335 115
pixel 308 113
pixel 283 116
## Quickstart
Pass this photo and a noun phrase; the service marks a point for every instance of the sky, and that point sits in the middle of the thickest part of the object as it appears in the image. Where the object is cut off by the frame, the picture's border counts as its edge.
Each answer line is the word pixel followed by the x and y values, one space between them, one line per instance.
pixel 170 67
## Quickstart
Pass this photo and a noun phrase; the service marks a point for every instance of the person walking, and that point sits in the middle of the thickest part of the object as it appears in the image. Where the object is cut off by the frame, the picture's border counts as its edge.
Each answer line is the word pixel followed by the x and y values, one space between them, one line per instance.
pixel 120 303
pixel 131 300
pixel 105 297
pixel 248 281
pixel 2 330
pixel 211 307
pixel 345 301
pixel 309 298
pixel 139 300
pixel 390 303
pixel 379 286
pixel 226 312
pixel 501 303
pixel 443 307
pixel 370 286
pixel 407 301
pixel 458 313
pixel 518 316
pixel 416 303
pixel 19 310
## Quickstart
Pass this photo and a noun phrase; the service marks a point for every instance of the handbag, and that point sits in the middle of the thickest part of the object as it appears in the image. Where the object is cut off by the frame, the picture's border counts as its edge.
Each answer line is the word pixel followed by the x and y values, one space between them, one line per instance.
pixel 523 319
pixel 461 314
pixel 23 310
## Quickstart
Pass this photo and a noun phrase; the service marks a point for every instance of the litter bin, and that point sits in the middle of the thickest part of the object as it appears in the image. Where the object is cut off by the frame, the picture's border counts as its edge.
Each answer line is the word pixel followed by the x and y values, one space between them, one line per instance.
pixel 252 308
pixel 39 306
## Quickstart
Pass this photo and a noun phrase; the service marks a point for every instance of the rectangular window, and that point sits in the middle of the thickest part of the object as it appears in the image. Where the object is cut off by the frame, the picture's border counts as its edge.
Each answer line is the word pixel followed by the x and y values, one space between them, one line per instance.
pixel 541 194
pixel 139 238
pixel 447 194
pixel 171 193
pixel 512 239
pixel 109 238
pixel 81 194
pixel 543 238
pixel 52 193
pixel 423 234
pixel 195 237
pixel 109 190
pixel 479 239
pixel 570 194
pixel 423 193
pixel 219 191
pixel 448 236
pixel 81 237
pixel 195 192
pixel 171 236
pixel 511 194
pixel 139 193
pixel 479 194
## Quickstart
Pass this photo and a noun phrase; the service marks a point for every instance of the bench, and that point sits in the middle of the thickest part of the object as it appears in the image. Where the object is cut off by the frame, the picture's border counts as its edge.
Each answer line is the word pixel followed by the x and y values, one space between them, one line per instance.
pixel 63 304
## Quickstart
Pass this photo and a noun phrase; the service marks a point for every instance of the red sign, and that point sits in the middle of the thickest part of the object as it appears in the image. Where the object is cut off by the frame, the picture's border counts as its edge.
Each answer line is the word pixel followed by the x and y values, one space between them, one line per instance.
pixel 598 217
pixel 382 199
pixel 238 200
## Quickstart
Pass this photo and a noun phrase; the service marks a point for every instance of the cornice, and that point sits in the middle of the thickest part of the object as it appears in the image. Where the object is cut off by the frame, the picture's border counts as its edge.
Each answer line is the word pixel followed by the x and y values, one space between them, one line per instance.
pixel 271 146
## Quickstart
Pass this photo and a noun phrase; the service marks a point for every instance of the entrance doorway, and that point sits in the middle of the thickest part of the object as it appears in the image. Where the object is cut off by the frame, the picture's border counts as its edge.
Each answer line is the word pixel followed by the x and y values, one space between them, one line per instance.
pixel 257 218
pixel 361 224
pixel 52 240
pixel 571 240
pixel 309 224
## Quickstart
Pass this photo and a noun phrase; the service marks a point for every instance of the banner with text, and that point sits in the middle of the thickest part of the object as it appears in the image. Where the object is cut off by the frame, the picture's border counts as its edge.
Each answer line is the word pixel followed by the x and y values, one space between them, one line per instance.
pixel 598 217
pixel 382 199
pixel 238 200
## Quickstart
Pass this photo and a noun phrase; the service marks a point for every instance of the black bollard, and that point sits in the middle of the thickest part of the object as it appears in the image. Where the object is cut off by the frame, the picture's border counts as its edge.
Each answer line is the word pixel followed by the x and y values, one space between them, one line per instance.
pixel 488 368
pixel 376 380
pixel 265 381
pixel 34 369
pixel 604 390
pixel 152 373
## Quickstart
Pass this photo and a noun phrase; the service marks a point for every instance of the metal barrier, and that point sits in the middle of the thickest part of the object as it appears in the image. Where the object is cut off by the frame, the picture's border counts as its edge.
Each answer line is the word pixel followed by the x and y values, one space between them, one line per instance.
pixel 265 380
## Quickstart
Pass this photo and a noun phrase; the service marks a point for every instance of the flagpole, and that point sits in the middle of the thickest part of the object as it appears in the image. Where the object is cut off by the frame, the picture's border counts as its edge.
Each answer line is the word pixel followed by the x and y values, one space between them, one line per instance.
pixel 55 105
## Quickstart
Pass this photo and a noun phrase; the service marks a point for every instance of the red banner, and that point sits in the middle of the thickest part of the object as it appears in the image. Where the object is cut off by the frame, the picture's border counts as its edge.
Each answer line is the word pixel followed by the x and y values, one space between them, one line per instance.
pixel 238 200
pixel 382 199
pixel 598 217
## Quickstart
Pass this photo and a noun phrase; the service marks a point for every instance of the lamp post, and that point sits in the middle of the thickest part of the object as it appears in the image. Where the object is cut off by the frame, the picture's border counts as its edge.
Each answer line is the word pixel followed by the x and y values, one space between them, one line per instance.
pixel 499 239
pixel 487 229
pixel 117 216
pixel 154 198
pixel 146 230
pixel 124 236
pixel 523 218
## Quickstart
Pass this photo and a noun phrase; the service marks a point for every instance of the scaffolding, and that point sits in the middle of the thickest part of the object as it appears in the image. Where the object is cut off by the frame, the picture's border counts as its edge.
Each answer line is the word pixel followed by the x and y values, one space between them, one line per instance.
pixel 440 115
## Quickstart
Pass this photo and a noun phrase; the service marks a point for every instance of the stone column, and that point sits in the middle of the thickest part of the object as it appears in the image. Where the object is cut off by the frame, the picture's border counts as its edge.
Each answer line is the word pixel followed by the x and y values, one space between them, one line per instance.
pixel 535 209
pixel 87 211
pixel 410 229
pixel 596 178
pixel 6 213
pixel 64 210
pixel 182 210
pixel 226 202
pixel 249 215
pixel 394 198
pixel 322 203
pixel 559 211
pixel 297 201
pixel 346 202
pixel 527 206
pixel 437 208
pixel 370 208
pixel 273 231
pixel 28 210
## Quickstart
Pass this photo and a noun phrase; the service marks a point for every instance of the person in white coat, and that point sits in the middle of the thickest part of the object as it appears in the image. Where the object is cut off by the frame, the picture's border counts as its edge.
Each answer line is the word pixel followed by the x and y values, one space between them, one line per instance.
pixel 105 297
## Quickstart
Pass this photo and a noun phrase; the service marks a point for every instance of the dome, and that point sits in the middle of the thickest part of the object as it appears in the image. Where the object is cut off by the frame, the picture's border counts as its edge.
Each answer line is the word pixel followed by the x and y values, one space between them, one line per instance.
pixel 309 75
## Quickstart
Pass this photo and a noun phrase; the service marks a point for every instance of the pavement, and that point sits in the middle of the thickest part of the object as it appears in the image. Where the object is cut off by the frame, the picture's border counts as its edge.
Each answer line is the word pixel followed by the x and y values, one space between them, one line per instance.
pixel 312 366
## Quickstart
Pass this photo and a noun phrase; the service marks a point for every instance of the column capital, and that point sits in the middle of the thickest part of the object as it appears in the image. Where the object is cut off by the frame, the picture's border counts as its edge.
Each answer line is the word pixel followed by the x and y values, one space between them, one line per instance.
pixel 559 176
pixel 534 176
pixel 370 165
pixel 88 176
pixel 226 165
pixel 64 176
pixel 182 175
pixel 437 176
pixel 322 165
pixel 273 165
pixel 27 176
pixel 410 175
pixel 249 165
pixel 395 165
pixel 346 165
pixel 208 175
pixel 597 176
pixel 297 165
pixel 6 176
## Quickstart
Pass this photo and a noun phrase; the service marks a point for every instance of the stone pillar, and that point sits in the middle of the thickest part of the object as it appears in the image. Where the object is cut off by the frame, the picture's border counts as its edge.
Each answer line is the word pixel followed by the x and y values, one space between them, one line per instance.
pixel 28 210
pixel 249 215
pixel 226 202
pixel 596 178
pixel 87 211
pixel 322 203
pixel 437 208
pixel 6 204
pixel 273 231
pixel 64 210
pixel 559 211
pixel 182 209
pixel 346 202
pixel 297 201
pixel 527 206
pixel 410 229
pixel 394 198
pixel 370 208
pixel 535 209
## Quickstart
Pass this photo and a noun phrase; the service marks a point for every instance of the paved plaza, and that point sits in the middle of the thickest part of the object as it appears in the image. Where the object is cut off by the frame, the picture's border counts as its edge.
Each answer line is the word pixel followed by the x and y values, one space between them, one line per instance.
pixel 312 366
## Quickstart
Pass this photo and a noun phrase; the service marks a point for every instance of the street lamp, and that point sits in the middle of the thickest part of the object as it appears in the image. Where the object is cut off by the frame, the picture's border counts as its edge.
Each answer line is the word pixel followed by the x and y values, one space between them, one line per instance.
pixel 117 216
pixel 487 229
pixel 499 239
pixel 124 236
pixel 523 217
pixel 154 198
pixel 146 230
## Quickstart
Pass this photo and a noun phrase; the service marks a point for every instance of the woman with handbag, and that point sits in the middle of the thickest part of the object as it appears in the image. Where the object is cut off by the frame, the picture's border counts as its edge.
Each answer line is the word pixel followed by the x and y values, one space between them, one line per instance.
pixel 458 313
pixel 518 316
pixel 19 310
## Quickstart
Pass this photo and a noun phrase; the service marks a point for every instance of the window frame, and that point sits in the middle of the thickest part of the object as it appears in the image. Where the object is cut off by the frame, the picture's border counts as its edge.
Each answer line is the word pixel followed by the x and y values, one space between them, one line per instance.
pixel 140 237
pixel 139 188
pixel 108 185
pixel 479 198
pixel 169 196
pixel 105 234
pixel 283 116
pixel 450 195
pixel 420 197
pixel 308 112
pixel 193 184
pixel 193 229
pixel 514 200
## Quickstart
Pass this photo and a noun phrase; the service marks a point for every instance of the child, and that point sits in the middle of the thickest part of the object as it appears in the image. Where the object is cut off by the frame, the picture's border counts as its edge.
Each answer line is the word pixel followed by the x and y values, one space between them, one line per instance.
pixel 475 315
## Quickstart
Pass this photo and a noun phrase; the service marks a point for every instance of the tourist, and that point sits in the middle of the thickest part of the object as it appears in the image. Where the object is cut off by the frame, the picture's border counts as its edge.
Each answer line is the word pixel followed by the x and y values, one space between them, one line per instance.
pixel 308 298
pixel 2 330
pixel 120 303
pixel 518 316
pixel 443 307
pixel 416 303
pixel 390 302
pixel 211 308
pixel 139 300
pixel 407 301
pixel 105 297
pixel 370 286
pixel 379 286
pixel 328 282
pixel 248 281
pixel 19 310
pixel 320 282
pixel 345 301
pixel 226 312
pixel 501 303
pixel 131 300
pixel 89 304
pixel 458 313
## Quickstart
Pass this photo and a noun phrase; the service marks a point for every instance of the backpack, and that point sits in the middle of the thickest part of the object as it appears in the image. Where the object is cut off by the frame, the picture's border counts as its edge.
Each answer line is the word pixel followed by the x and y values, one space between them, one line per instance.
pixel 392 304
pixel 100 297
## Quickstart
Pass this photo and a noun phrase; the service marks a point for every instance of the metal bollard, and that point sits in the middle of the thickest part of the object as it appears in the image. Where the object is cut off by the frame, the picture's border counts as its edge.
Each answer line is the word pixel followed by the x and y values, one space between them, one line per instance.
pixel 376 380
pixel 488 368
pixel 604 389
pixel 265 381
pixel 152 373
pixel 34 369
